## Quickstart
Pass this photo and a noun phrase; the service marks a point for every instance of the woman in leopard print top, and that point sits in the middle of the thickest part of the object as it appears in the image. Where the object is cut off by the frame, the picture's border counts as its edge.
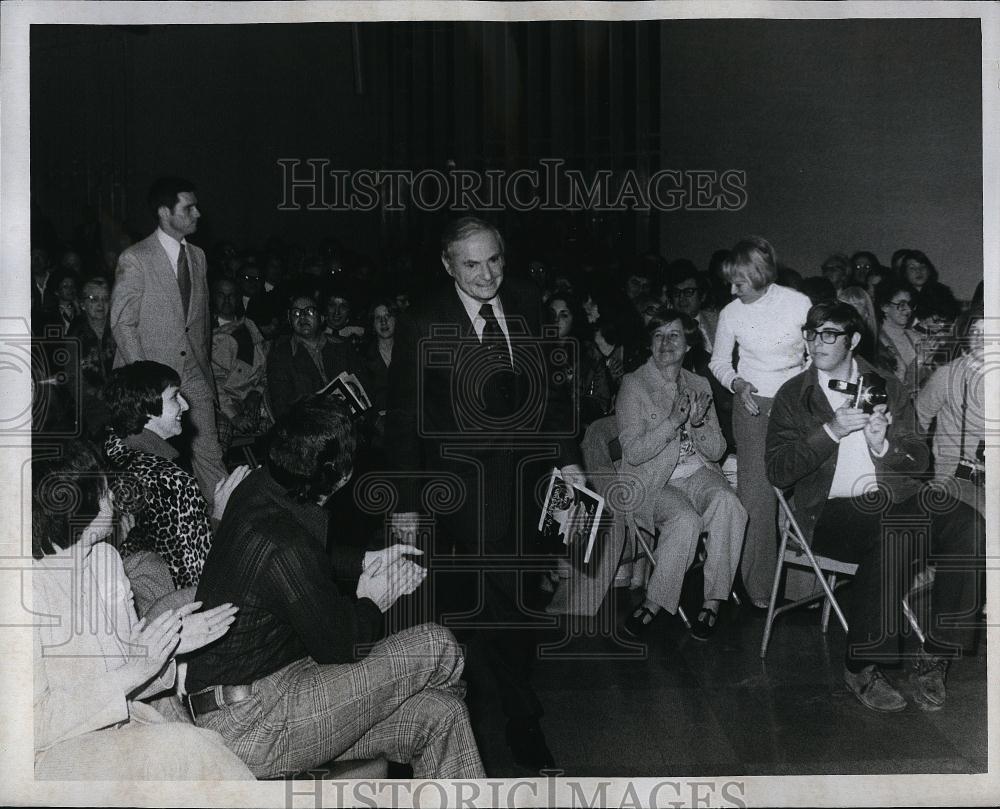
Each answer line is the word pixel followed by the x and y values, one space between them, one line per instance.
pixel 172 517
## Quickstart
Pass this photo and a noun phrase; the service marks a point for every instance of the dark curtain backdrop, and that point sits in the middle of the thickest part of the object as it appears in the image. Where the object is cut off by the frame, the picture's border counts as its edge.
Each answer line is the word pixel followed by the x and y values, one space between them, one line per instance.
pixel 854 134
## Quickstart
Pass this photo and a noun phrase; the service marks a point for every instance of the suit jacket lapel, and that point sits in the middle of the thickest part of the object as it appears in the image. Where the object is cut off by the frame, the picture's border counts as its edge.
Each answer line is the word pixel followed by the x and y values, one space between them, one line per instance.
pixel 165 276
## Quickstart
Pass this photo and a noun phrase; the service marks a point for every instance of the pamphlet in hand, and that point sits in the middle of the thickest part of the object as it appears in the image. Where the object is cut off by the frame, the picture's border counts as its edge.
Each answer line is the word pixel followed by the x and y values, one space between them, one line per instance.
pixel 571 512
pixel 349 388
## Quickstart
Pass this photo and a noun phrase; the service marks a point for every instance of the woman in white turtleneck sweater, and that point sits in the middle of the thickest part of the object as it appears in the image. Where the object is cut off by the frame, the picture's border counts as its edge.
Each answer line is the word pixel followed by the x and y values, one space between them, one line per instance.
pixel 765 324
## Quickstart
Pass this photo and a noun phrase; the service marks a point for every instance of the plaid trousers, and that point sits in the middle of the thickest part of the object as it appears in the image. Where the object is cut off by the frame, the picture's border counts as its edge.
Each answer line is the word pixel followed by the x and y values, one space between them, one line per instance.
pixel 403 702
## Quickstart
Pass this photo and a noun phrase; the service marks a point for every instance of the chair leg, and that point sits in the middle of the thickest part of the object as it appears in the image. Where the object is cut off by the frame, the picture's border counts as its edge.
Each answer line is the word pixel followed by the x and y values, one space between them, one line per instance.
pixel 832 581
pixel 774 595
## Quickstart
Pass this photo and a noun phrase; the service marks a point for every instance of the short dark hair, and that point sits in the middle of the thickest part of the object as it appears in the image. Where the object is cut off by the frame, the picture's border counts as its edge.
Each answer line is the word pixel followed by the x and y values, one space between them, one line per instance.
pixel 665 315
pixel 134 392
pixel 839 313
pixel 886 290
pixel 311 447
pixel 66 492
pixel 164 192
pixel 459 229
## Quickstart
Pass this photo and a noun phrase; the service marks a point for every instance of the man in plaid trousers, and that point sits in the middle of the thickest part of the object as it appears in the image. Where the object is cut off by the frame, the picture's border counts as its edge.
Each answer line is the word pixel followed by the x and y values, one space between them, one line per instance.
pixel 300 679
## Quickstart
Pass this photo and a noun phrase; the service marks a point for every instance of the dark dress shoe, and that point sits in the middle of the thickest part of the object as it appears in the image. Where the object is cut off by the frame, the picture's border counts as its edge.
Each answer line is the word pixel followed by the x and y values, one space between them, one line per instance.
pixel 527 743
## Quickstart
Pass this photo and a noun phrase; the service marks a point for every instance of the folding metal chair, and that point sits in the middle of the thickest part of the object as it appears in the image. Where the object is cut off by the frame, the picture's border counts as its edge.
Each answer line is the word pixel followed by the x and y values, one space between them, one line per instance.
pixel 794 551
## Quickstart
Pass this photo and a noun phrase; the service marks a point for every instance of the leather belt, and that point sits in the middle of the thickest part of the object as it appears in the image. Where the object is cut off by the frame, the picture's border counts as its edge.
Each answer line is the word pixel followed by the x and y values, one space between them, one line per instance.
pixel 216 698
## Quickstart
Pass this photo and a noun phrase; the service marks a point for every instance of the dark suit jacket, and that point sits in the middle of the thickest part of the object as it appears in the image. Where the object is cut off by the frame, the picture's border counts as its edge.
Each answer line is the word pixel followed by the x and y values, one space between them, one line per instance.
pixel 451 412
pixel 801 453
pixel 292 374
pixel 147 316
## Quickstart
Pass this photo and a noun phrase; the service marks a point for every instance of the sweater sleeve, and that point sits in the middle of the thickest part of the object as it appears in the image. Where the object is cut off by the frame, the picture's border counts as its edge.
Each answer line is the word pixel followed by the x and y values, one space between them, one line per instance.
pixel 721 364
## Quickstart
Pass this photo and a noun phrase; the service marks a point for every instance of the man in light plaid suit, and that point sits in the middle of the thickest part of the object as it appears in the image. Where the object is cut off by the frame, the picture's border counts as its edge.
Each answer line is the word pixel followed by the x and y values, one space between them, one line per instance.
pixel 300 679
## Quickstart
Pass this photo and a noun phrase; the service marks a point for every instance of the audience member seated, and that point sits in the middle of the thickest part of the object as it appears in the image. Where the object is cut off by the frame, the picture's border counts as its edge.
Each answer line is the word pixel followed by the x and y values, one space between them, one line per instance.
pixel 688 293
pixel 857 297
pixel 616 347
pixel 918 271
pixel 765 324
pixel 897 341
pixel 954 401
pixel 172 518
pixel 303 362
pixel 90 678
pixel 934 321
pixel 298 682
pixel 339 310
pixel 837 270
pixel 97 356
pixel 63 307
pixel 670 440
pixel 259 305
pixel 378 356
pixel 239 364
pixel 818 289
pixel 837 457
pixel 566 315
pixel 863 264
pixel 43 294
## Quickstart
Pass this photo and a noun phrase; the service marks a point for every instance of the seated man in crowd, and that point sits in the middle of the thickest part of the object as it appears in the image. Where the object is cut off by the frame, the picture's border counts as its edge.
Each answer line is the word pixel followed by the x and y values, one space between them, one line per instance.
pixel 239 364
pixel 835 454
pixel 294 685
pixel 301 363
pixel 97 355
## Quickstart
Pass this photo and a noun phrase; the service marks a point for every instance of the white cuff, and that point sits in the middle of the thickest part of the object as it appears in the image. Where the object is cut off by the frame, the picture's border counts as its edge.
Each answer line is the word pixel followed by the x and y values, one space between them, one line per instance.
pixel 829 432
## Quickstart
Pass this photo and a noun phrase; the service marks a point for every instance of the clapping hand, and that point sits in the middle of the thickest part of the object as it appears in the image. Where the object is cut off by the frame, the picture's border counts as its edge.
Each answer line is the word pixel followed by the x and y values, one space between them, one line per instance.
pixel 388 575
pixel 152 644
pixel 202 628
pixel 700 402
pixel 681 409
pixel 224 489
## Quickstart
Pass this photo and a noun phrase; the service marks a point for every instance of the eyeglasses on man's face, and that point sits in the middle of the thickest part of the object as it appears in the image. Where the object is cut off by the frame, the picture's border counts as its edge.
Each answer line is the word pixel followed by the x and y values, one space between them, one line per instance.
pixel 829 336
pixel 308 311
pixel 901 305
pixel 686 292
pixel 97 299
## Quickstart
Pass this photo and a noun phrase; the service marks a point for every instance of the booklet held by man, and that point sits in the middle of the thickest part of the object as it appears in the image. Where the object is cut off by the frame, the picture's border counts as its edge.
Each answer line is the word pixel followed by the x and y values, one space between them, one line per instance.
pixel 349 388
pixel 572 513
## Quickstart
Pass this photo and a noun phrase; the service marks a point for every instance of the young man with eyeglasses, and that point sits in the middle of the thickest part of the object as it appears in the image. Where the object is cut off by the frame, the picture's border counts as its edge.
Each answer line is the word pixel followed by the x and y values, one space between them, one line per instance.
pixel 856 498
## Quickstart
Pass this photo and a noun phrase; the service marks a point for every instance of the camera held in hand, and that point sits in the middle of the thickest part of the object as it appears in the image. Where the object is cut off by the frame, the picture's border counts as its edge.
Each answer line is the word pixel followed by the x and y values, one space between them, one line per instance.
pixel 868 392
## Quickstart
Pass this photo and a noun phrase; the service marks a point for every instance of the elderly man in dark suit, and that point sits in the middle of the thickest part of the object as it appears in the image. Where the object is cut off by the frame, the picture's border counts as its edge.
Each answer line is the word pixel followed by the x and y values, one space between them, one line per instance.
pixel 471 404
pixel 159 311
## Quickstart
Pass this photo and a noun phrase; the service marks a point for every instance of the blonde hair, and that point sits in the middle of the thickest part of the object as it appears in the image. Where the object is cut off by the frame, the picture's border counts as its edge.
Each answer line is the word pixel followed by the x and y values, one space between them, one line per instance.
pixel 754 259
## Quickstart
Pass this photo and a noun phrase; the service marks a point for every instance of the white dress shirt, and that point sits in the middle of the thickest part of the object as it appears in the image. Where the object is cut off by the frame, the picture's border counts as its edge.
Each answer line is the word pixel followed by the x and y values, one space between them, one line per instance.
pixel 173 248
pixel 472 307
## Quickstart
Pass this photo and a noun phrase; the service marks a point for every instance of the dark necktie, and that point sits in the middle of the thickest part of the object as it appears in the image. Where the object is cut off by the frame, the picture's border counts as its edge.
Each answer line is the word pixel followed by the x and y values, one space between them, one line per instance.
pixel 184 279
pixel 493 338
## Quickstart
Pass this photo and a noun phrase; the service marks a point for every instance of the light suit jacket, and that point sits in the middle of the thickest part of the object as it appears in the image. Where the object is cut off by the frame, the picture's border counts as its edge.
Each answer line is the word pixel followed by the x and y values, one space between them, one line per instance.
pixel 644 402
pixel 147 316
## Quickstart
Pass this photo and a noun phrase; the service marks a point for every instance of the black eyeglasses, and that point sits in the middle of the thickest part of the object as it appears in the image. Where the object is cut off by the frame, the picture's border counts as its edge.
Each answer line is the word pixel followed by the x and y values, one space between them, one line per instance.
pixel 309 311
pixel 901 305
pixel 97 298
pixel 828 337
pixel 685 293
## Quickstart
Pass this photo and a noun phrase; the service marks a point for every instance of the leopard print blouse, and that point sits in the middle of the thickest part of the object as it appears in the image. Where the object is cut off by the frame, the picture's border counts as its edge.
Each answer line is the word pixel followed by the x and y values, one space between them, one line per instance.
pixel 171 516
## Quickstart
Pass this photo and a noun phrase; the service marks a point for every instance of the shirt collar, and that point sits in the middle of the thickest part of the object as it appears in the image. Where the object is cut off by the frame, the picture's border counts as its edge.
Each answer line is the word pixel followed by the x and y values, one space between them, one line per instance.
pixel 297 341
pixel 148 441
pixel 170 244
pixel 472 306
